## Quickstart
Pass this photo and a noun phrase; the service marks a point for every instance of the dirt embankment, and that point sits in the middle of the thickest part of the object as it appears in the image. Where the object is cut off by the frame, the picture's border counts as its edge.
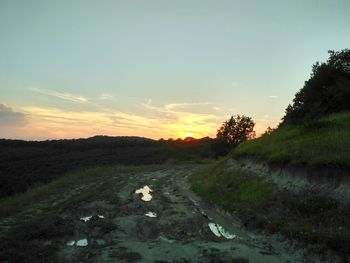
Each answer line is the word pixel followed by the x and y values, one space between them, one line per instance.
pixel 327 181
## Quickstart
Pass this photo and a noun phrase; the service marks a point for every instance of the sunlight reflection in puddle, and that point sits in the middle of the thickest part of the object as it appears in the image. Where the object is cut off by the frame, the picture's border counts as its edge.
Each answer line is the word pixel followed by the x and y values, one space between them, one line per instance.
pixel 85 218
pixel 219 231
pixel 88 218
pixel 145 191
pixel 82 243
pixel 151 214
pixel 71 243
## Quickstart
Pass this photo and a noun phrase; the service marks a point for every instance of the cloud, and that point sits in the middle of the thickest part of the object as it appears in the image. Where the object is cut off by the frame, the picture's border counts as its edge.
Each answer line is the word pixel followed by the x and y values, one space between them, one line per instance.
pixel 9 117
pixel 106 96
pixel 169 120
pixel 61 95
pixel 273 97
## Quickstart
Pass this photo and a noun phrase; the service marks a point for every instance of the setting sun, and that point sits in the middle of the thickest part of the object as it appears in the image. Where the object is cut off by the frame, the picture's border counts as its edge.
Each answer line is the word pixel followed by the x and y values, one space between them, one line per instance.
pixel 188 134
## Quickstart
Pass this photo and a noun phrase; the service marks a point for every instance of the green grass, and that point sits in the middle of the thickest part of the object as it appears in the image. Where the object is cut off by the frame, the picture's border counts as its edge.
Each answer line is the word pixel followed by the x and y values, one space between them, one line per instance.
pixel 229 188
pixel 322 142
pixel 306 216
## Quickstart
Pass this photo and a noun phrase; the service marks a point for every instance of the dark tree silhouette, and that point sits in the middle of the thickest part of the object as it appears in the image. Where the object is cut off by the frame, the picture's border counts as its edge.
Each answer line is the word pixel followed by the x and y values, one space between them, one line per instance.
pixel 327 91
pixel 268 131
pixel 236 130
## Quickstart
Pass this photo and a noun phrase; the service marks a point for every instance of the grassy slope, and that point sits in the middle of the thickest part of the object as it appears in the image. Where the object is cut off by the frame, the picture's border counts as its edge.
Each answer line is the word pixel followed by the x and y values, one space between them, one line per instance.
pixel 325 142
pixel 260 205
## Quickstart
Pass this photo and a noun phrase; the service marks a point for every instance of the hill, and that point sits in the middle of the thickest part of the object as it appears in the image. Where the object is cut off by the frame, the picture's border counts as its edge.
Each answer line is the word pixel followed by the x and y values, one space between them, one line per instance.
pixel 27 163
pixel 295 180
pixel 323 142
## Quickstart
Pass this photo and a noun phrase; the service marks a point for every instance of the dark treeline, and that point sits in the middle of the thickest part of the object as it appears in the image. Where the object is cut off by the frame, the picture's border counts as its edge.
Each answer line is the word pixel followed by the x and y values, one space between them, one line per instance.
pixel 27 163
pixel 327 91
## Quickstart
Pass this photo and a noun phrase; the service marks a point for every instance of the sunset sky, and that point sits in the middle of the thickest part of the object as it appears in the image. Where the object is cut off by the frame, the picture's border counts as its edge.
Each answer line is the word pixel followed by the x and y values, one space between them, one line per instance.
pixel 71 69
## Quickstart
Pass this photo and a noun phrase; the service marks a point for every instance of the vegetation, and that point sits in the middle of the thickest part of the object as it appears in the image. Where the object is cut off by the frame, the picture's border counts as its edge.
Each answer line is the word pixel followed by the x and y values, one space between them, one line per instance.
pixel 232 132
pixel 316 127
pixel 322 142
pixel 260 205
pixel 24 164
pixel 223 186
pixel 315 131
pixel 327 91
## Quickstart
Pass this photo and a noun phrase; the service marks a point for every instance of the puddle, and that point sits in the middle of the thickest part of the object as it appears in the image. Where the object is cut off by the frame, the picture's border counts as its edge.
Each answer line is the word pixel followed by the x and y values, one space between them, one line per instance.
pixel 219 231
pixel 79 243
pixel 82 243
pixel 145 191
pixel 88 218
pixel 71 243
pixel 151 214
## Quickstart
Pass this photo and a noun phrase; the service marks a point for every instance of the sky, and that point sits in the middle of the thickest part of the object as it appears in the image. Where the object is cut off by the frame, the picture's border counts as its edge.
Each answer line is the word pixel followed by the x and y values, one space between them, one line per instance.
pixel 157 69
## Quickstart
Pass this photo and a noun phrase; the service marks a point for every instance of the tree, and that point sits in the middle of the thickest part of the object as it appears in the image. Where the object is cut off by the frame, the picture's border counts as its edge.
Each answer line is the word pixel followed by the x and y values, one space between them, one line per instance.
pixel 268 131
pixel 236 130
pixel 327 91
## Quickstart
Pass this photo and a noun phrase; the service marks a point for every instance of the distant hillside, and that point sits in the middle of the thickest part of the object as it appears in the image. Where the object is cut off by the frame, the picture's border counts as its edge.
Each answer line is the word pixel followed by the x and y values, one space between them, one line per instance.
pixel 25 163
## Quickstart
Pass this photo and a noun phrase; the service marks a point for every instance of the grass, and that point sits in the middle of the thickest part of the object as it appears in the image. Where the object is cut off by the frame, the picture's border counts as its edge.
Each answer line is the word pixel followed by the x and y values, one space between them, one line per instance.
pixel 306 216
pixel 322 142
pixel 230 189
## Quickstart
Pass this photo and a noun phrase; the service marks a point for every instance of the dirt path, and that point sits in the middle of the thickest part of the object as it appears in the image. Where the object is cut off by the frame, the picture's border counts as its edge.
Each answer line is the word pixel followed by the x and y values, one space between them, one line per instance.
pixel 110 224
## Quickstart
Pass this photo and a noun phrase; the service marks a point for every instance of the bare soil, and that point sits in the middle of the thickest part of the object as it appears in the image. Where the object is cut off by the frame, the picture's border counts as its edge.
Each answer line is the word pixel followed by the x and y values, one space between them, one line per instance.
pixel 119 231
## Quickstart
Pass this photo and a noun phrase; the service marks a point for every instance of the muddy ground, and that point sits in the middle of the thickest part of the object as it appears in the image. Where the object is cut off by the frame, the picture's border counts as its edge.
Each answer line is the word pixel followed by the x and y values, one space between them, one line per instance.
pixel 103 220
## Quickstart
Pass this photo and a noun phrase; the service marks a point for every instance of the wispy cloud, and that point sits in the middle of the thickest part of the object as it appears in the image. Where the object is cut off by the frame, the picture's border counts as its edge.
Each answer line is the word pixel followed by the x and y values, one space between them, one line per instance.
pixel 273 97
pixel 9 116
pixel 61 95
pixel 106 96
pixel 12 122
pixel 169 120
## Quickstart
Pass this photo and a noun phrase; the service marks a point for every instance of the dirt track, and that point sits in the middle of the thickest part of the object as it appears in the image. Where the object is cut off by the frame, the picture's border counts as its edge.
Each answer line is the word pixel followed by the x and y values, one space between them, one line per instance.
pixel 119 230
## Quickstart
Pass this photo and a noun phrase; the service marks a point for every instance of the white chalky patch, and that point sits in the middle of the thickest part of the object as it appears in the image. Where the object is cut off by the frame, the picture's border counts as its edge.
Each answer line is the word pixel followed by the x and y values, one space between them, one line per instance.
pixel 145 191
pixel 82 243
pixel 71 243
pixel 151 214
pixel 219 231
pixel 86 218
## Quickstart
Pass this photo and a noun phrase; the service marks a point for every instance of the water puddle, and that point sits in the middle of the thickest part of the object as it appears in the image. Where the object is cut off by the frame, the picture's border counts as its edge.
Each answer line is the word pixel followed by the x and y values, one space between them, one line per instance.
pixel 151 214
pixel 219 231
pixel 71 243
pixel 88 218
pixel 80 243
pixel 145 191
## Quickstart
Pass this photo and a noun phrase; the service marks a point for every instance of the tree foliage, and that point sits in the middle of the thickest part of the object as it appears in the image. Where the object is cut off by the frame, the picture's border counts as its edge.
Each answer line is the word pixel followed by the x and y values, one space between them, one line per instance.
pixel 327 91
pixel 236 130
pixel 268 131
